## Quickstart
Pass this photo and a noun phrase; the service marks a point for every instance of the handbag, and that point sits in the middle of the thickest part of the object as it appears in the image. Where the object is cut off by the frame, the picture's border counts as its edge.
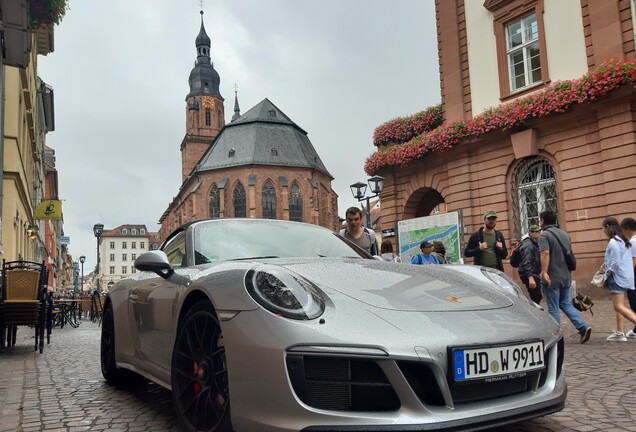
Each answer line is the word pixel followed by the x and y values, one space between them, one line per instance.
pixel 598 279
pixel 583 303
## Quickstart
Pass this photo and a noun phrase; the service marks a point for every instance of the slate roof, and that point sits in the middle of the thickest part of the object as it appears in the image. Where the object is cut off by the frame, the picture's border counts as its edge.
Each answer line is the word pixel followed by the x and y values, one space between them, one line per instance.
pixel 264 135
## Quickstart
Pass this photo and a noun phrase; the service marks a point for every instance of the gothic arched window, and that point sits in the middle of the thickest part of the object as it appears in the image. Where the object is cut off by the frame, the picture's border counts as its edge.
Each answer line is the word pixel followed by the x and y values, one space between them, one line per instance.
pixel 208 117
pixel 220 119
pixel 295 203
pixel 215 202
pixel 269 201
pixel 239 201
pixel 533 191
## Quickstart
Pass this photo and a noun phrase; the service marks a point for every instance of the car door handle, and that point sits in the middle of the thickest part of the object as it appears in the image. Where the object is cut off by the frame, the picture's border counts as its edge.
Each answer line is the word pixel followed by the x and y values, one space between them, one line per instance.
pixel 133 297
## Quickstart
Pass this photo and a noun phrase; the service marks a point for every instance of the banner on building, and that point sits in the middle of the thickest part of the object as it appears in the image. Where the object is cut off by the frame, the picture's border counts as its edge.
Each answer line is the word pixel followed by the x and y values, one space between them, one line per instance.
pixel 446 227
pixel 49 209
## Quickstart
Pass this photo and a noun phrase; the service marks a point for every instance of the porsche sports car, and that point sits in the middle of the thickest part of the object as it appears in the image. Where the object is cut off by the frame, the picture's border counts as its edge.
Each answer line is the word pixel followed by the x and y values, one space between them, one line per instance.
pixel 266 325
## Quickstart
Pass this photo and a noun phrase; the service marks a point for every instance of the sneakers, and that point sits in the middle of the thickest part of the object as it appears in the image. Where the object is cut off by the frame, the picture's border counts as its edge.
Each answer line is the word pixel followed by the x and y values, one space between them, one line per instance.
pixel 617 336
pixel 585 334
pixel 631 334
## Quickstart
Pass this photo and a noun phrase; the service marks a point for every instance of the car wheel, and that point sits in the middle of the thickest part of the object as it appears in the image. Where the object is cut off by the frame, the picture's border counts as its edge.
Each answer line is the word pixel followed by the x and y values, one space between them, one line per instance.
pixel 110 371
pixel 200 389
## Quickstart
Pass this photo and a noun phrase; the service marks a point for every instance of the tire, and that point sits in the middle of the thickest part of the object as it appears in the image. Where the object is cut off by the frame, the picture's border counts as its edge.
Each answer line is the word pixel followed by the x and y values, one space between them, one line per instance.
pixel 110 371
pixel 200 387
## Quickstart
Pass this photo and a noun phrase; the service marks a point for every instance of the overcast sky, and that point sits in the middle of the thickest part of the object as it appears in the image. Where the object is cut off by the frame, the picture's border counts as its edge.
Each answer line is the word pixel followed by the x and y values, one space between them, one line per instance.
pixel 337 68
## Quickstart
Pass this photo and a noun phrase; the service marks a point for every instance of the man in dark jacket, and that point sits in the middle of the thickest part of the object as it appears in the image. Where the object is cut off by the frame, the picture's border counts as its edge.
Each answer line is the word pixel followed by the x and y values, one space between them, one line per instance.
pixel 530 266
pixel 487 245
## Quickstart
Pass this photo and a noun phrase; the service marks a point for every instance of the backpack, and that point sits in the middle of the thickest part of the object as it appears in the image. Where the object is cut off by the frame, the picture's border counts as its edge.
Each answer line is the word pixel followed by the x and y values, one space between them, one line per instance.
pixel 515 255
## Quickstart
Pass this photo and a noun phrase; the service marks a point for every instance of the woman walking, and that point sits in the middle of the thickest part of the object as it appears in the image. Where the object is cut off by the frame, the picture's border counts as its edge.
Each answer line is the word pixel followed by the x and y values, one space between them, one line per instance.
pixel 619 274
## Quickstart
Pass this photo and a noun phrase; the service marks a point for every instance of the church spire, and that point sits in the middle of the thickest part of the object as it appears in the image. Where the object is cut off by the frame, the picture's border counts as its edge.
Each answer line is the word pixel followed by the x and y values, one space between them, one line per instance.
pixel 203 78
pixel 237 110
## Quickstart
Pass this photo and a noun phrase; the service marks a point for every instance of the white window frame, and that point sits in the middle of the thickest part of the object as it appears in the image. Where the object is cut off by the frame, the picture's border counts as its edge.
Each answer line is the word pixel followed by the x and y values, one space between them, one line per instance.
pixel 524 48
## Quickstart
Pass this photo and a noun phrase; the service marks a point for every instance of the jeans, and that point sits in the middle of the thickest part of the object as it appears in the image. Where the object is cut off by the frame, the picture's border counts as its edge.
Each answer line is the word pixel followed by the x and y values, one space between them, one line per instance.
pixel 558 299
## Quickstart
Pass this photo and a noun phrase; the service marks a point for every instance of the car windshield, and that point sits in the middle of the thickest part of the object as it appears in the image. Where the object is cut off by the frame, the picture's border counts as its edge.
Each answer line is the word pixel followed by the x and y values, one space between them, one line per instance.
pixel 222 240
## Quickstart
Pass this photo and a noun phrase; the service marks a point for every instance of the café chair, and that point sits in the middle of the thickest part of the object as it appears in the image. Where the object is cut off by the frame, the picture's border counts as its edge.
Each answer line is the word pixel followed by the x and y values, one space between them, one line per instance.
pixel 22 301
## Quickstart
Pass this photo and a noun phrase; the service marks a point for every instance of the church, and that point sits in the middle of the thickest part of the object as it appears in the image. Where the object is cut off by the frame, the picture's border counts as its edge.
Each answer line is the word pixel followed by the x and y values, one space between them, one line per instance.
pixel 260 165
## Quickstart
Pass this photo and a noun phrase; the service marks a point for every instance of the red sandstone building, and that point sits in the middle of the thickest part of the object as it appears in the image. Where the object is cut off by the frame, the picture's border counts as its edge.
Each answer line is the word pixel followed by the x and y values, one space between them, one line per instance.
pixel 260 165
pixel 519 130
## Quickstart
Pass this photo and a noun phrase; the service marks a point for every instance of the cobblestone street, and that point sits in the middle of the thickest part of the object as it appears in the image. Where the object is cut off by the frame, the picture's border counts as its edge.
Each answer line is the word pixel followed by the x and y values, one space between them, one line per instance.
pixel 63 390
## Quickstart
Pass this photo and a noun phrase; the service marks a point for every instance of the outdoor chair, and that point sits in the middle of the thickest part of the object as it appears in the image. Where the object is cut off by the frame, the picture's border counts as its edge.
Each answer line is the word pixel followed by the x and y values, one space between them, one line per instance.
pixel 22 301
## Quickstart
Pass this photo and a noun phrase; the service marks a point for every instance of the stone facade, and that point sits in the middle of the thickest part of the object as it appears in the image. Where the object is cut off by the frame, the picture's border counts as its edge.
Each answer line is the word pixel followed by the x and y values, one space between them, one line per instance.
pixel 589 151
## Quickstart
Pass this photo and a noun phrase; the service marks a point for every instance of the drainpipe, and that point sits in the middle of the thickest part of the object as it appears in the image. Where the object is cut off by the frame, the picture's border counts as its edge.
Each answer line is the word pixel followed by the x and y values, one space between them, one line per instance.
pixel 2 85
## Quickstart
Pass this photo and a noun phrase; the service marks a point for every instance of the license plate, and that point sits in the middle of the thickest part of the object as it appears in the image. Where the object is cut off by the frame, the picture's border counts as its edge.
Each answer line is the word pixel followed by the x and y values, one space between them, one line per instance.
pixel 497 361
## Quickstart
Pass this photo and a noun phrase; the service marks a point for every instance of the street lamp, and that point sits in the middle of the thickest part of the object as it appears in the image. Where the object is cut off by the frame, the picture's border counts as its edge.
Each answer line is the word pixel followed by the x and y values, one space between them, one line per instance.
pixel 358 189
pixel 82 259
pixel 98 229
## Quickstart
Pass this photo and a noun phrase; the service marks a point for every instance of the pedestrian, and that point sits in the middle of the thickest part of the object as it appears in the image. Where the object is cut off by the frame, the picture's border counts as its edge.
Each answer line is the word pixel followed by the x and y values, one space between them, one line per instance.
pixel 386 251
pixel 628 225
pixel 439 250
pixel 556 276
pixel 619 274
pixel 487 245
pixel 358 234
pixel 426 257
pixel 530 265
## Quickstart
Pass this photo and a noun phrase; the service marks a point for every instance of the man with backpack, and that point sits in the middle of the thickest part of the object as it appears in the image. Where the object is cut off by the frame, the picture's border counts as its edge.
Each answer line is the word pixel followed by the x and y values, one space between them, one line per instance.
pixel 358 234
pixel 487 245
pixel 557 263
pixel 526 258
pixel 426 257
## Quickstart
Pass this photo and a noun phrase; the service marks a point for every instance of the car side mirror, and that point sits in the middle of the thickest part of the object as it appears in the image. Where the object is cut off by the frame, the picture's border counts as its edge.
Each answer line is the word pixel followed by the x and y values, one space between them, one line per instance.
pixel 156 262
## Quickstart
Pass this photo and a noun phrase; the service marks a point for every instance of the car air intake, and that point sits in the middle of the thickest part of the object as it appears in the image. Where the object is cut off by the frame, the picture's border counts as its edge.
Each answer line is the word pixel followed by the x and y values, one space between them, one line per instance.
pixel 341 384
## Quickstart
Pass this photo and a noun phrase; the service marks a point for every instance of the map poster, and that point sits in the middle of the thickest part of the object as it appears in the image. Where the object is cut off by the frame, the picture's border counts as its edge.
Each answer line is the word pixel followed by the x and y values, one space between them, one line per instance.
pixel 447 227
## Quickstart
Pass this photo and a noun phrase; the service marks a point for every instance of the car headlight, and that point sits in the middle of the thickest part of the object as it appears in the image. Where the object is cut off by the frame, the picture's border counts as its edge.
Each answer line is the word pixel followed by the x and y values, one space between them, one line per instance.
pixel 504 282
pixel 283 293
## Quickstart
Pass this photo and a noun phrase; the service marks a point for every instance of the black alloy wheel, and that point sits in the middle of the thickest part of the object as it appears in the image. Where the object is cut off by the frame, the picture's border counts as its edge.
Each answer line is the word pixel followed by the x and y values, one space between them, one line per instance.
pixel 200 389
pixel 110 371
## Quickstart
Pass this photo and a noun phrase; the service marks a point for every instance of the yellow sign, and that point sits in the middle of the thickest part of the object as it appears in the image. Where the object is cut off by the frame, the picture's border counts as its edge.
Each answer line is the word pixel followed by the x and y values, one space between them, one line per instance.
pixel 49 209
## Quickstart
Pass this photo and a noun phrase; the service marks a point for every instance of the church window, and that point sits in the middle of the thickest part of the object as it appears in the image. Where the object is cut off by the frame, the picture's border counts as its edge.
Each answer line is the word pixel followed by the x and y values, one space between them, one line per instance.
pixel 208 117
pixel 215 202
pixel 269 201
pixel 295 203
pixel 240 202
pixel 533 191
pixel 220 119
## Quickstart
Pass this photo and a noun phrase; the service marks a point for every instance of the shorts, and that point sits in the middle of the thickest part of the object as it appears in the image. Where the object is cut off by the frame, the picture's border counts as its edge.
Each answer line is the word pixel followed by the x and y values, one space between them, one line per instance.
pixel 613 286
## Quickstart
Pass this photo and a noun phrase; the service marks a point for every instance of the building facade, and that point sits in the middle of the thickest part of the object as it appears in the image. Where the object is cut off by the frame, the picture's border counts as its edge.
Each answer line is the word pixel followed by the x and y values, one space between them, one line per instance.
pixel 119 248
pixel 261 165
pixel 26 116
pixel 538 114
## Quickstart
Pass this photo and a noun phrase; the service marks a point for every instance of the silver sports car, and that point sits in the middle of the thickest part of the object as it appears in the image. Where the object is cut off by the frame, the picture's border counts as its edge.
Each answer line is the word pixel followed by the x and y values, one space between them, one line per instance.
pixel 264 325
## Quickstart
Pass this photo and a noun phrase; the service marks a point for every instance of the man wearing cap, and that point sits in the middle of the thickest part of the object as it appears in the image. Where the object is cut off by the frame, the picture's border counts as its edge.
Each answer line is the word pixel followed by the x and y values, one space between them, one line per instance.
pixel 487 245
pixel 530 266
pixel 426 257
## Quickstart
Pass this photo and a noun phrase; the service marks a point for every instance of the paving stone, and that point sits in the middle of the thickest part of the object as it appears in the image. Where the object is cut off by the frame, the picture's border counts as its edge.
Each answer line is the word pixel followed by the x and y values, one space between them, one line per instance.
pixel 62 390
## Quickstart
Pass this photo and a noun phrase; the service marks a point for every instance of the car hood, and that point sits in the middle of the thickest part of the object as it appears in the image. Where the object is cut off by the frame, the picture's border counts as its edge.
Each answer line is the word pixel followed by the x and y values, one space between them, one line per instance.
pixel 405 287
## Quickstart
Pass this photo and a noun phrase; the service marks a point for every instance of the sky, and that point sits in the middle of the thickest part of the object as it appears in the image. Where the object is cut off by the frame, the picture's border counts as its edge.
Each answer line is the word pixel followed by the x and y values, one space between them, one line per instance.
pixel 119 70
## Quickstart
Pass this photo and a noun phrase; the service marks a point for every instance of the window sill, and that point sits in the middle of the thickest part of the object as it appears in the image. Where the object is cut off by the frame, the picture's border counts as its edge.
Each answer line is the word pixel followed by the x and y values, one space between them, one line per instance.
pixel 524 91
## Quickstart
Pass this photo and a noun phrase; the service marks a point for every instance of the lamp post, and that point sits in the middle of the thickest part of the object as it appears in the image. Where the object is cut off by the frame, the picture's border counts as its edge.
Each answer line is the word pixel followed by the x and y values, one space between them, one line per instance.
pixel 376 184
pixel 82 259
pixel 98 229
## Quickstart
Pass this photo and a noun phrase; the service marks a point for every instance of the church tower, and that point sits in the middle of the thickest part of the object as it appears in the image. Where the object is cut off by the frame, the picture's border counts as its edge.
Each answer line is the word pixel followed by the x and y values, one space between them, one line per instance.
pixel 205 113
